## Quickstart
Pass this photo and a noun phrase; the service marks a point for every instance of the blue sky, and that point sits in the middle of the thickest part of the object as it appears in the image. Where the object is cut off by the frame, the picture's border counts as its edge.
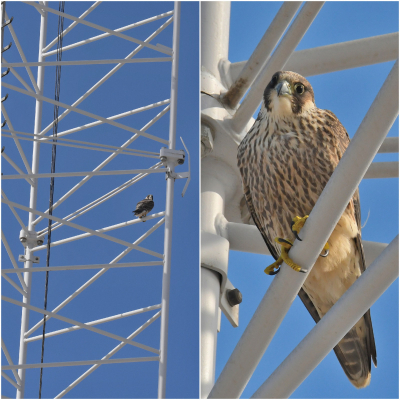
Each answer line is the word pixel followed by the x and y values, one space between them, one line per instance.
pixel 119 290
pixel 336 22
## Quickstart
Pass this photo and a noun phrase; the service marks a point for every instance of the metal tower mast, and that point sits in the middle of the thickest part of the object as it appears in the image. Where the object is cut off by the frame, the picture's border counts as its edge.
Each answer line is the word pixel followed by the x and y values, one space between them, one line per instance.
pixel 224 124
pixel 148 147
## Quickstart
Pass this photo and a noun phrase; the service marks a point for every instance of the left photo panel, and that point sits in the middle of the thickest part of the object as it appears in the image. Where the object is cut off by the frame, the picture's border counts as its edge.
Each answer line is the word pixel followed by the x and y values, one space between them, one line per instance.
pixel 100 199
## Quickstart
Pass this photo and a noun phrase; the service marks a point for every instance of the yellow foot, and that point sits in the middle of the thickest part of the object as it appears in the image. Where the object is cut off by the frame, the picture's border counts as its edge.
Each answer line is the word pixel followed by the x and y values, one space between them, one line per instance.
pixel 297 225
pixel 284 257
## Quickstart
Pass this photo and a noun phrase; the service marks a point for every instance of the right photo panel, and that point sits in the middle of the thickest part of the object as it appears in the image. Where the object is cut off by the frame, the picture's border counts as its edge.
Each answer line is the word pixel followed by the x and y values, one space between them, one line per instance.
pixel 299 200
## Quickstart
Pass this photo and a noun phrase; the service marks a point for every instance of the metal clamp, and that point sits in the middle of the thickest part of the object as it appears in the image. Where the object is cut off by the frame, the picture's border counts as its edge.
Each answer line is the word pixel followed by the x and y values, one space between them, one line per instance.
pixel 29 238
pixel 170 159
pixel 23 258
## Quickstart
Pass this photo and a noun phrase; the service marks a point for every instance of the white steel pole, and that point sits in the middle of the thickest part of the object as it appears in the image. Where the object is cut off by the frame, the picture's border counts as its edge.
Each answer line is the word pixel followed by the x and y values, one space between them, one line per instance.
pixel 162 372
pixel 323 218
pixel 262 53
pixel 215 20
pixel 335 324
pixel 32 204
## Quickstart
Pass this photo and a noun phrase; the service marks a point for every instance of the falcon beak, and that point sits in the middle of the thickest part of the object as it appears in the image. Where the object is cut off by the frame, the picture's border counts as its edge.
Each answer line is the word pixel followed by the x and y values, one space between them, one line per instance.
pixel 283 88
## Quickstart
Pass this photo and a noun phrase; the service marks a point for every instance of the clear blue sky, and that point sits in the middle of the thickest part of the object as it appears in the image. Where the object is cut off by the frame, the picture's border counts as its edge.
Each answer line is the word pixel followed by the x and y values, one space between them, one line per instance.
pixel 119 290
pixel 336 22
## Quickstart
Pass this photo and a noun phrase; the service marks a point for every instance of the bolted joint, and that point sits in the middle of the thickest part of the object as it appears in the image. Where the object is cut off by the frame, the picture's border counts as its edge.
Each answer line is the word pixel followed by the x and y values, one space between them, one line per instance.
pixel 234 297
pixel 29 238
pixel 170 159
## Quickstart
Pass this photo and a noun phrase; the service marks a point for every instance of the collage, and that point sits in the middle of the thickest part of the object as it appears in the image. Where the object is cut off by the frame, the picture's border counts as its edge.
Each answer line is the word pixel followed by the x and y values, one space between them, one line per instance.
pixel 200 199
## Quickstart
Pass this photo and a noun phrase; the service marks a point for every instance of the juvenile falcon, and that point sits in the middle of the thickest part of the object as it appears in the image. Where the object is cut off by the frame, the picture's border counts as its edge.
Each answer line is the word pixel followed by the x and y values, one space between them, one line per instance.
pixel 285 160
pixel 144 207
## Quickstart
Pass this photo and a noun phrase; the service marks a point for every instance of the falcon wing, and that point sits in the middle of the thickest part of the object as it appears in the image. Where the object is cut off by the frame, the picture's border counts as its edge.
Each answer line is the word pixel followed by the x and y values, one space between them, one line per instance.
pixel 349 350
pixel 144 205
pixel 272 246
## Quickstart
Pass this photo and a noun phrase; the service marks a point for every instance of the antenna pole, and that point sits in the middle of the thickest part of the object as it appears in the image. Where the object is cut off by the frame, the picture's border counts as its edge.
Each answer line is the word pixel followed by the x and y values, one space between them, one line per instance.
pixel 162 373
pixel 28 239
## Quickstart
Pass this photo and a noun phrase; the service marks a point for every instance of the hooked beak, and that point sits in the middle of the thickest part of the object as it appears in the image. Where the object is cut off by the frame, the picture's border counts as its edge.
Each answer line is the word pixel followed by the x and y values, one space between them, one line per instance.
pixel 283 88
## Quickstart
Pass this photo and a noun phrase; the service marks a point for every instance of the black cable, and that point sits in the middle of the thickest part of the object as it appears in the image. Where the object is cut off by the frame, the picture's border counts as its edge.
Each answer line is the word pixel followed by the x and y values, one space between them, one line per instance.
pixel 53 168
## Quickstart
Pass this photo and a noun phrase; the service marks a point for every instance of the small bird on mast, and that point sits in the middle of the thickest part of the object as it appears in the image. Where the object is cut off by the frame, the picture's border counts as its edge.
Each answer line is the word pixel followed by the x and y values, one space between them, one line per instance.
pixel 144 207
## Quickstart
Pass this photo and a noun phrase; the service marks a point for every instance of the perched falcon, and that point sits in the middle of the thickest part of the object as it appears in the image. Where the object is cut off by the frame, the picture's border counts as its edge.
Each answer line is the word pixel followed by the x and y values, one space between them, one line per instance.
pixel 285 160
pixel 144 207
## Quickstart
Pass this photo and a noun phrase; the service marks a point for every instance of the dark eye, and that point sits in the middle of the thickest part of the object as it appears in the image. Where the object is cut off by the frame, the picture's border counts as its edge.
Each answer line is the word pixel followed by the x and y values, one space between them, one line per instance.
pixel 299 88
pixel 274 80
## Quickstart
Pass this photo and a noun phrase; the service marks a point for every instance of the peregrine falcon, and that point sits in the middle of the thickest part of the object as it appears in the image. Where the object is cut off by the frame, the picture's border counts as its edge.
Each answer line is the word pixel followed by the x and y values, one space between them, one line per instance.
pixel 144 207
pixel 285 161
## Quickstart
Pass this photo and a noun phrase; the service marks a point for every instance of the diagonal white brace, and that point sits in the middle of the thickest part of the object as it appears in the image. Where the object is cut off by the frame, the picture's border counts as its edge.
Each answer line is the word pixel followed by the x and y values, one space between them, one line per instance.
pixel 84 326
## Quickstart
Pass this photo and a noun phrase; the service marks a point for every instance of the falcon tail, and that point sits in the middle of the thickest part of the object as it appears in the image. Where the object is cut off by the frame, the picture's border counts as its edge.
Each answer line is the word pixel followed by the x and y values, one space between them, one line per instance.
pixel 355 350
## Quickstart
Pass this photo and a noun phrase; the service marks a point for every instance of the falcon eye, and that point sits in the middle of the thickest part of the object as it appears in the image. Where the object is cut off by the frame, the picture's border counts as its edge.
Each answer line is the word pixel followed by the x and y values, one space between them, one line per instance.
pixel 274 80
pixel 299 88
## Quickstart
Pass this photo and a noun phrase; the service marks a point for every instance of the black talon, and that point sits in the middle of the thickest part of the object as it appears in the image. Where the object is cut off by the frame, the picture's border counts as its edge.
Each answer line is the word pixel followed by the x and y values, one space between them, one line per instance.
pixel 285 241
pixel 295 232
pixel 325 254
pixel 275 272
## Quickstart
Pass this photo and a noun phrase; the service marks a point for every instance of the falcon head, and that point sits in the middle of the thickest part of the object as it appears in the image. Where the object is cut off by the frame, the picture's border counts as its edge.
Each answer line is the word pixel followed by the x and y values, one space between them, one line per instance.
pixel 149 197
pixel 288 94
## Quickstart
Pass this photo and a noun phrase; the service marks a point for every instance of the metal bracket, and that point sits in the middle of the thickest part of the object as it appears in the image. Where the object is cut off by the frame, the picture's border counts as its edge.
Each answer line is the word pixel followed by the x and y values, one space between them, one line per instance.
pixel 6 48
pixel 7 22
pixel 23 258
pixel 170 159
pixel 215 255
pixel 29 239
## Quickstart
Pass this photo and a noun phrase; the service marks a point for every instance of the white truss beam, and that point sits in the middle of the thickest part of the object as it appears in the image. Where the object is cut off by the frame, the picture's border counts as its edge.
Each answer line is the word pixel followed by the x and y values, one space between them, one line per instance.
pixel 106 161
pixel 100 200
pixel 389 169
pixel 15 73
pixel 96 322
pixel 15 286
pixel 87 62
pixel 390 145
pixel 15 166
pixel 87 114
pixel 169 208
pixel 106 357
pixel 114 117
pixel 15 213
pixel 9 360
pixel 261 54
pixel 106 229
pixel 87 266
pixel 103 148
pixel 13 262
pixel 81 289
pixel 100 28
pixel 338 56
pixel 22 55
pixel 336 323
pixel 323 218
pixel 282 53
pixel 20 150
pixel 85 229
pixel 88 362
pixel 104 35
pixel 65 31
pixel 107 76
pixel 73 322
pixel 4 375
pixel 84 173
